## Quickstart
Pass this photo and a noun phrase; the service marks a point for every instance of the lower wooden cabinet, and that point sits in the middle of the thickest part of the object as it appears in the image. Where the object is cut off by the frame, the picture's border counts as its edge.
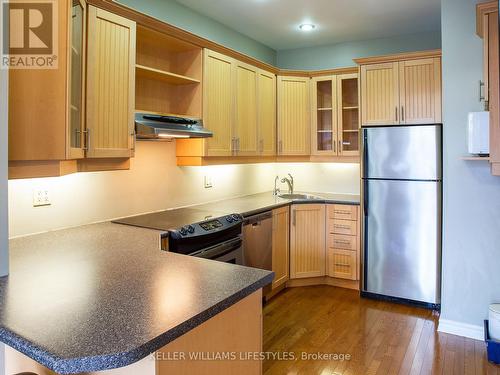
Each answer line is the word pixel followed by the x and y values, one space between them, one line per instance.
pixel 342 264
pixel 281 248
pixel 343 253
pixel 307 241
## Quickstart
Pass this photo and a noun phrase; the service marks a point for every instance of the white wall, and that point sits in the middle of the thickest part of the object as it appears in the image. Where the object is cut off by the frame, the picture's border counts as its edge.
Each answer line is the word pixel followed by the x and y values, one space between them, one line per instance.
pixel 471 243
pixel 154 182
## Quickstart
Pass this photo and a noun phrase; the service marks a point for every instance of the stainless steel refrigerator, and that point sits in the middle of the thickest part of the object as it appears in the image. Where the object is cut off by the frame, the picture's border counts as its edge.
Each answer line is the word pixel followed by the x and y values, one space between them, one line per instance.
pixel 402 200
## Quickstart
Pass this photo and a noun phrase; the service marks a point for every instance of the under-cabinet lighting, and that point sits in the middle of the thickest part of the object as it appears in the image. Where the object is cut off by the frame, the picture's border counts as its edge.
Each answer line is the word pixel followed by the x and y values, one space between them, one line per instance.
pixel 172 136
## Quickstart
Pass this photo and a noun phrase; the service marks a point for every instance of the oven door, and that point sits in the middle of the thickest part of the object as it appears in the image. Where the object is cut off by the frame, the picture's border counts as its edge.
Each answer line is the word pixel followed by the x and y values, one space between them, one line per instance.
pixel 229 251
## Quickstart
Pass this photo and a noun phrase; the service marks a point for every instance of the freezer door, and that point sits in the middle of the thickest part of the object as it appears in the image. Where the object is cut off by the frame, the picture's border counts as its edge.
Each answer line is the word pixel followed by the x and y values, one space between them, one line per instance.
pixel 402 239
pixel 402 152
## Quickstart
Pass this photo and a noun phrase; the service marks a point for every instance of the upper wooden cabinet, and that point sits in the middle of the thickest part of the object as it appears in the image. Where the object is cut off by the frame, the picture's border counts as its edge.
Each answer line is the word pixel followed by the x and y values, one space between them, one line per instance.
pixel 110 84
pixel 420 91
pixel 307 241
pixel 239 107
pixel 335 120
pixel 245 125
pixel 266 111
pixel 294 122
pixel 62 120
pixel 401 92
pixel 218 103
pixel 487 28
pixel 380 94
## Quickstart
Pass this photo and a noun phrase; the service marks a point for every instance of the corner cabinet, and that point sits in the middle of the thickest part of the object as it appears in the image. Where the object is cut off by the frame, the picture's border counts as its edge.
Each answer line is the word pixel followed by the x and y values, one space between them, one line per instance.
pixel 335 115
pixel 78 117
pixel 110 85
pixel 307 241
pixel 401 92
pixel 294 122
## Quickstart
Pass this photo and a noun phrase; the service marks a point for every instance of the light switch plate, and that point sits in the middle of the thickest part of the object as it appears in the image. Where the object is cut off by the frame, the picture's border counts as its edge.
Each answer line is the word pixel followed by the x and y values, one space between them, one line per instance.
pixel 41 197
pixel 208 182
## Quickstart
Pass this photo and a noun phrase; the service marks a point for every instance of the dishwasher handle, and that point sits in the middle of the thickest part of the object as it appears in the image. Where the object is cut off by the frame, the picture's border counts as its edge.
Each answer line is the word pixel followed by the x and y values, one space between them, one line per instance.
pixel 256 220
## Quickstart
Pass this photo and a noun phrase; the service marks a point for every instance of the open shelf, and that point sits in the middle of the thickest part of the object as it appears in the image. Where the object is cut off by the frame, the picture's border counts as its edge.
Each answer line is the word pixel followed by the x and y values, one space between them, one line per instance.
pixel 476 158
pixel 351 107
pixel 351 130
pixel 157 74
pixel 168 74
pixel 325 109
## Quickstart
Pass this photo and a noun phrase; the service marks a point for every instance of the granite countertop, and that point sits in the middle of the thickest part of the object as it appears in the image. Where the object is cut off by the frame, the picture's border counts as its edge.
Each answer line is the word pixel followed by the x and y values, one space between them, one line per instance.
pixel 246 206
pixel 104 296
pixel 255 203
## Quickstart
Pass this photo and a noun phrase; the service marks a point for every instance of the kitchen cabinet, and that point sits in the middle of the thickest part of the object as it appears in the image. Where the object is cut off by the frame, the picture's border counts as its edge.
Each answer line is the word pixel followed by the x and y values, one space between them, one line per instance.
pixel 307 241
pixel 324 115
pixel 245 125
pixel 266 111
pixel 218 103
pixel 335 120
pixel 239 107
pixel 294 123
pixel 487 28
pixel 380 94
pixel 281 234
pixel 110 85
pixel 407 91
pixel 67 120
pixel 343 253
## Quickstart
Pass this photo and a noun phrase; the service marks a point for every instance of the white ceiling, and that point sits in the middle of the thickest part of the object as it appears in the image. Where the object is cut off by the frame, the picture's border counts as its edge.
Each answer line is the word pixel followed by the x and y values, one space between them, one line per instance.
pixel 275 22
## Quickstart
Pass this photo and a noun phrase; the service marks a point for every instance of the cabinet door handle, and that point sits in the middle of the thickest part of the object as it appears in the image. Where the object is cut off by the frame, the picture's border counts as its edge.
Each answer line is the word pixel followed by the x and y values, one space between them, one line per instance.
pixel 133 141
pixel 294 217
pixel 261 144
pixel 334 147
pixel 342 264
pixel 87 139
pixel 402 114
pixel 481 88
pixel 397 114
pixel 340 147
pixel 280 147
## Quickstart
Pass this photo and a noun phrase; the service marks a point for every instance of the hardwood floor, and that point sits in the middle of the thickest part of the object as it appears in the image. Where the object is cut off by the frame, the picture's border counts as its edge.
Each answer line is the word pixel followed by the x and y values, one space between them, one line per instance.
pixel 381 338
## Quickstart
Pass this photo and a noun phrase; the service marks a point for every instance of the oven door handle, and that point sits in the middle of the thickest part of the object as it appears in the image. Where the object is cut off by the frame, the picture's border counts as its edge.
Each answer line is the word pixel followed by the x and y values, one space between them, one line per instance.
pixel 219 250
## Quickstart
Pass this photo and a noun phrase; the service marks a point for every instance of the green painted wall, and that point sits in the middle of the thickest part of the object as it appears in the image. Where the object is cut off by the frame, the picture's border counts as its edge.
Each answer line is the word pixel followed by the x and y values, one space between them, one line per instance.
pixel 471 206
pixel 341 55
pixel 178 15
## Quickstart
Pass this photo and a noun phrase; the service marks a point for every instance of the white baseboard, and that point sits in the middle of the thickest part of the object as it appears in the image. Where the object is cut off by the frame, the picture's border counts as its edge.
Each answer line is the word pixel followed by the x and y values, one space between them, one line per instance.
pixel 461 329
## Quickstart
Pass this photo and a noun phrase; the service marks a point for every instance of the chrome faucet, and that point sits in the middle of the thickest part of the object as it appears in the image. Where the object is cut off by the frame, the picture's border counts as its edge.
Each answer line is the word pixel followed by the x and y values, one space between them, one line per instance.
pixel 289 181
pixel 276 190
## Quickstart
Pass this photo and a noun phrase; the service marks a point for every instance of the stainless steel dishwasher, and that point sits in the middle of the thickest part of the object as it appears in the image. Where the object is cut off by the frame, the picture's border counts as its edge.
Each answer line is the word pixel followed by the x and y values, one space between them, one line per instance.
pixel 258 240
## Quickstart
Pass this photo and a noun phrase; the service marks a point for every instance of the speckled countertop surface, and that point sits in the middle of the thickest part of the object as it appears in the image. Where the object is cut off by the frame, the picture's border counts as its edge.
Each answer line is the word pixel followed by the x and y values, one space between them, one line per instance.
pixel 246 206
pixel 255 203
pixel 104 296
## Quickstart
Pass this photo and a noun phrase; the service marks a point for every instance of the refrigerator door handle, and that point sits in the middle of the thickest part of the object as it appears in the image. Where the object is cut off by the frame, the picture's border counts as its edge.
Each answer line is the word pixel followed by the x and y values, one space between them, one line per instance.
pixel 365 197
pixel 365 153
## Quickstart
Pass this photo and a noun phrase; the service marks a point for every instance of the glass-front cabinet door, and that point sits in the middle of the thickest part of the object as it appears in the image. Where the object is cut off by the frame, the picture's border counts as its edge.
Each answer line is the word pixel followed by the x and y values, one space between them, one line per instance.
pixel 348 114
pixel 77 80
pixel 324 118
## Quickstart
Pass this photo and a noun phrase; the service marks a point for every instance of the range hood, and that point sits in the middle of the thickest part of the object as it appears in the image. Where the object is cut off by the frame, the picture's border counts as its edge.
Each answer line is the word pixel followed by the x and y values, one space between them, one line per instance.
pixel 152 126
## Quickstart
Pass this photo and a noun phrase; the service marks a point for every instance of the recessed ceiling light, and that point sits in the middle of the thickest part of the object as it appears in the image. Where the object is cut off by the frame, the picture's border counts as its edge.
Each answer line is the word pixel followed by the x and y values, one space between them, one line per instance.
pixel 307 27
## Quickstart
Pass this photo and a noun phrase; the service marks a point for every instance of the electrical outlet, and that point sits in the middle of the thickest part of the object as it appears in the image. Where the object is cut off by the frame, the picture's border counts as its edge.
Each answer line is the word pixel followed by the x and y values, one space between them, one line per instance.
pixel 208 182
pixel 41 197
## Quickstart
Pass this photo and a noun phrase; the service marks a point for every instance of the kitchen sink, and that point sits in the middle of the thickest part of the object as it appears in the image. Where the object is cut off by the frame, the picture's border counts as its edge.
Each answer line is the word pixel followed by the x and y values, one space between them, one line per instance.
pixel 298 196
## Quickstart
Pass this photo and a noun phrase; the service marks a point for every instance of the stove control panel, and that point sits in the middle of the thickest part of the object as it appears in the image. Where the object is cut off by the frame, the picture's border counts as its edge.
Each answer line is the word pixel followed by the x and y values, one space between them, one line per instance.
pixel 207 226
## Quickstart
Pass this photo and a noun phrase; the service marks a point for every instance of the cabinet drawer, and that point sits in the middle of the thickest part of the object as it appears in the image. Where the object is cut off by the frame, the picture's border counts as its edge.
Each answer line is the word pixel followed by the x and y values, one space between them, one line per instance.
pixel 342 264
pixel 343 212
pixel 342 241
pixel 347 227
